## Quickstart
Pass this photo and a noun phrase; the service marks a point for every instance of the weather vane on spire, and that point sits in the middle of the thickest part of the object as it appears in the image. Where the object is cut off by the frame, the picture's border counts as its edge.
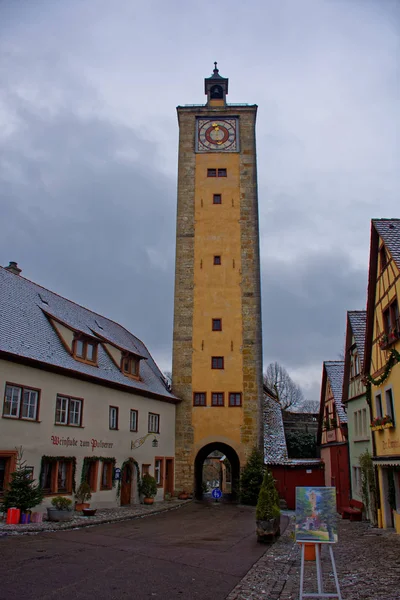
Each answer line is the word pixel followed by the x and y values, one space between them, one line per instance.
pixel 215 68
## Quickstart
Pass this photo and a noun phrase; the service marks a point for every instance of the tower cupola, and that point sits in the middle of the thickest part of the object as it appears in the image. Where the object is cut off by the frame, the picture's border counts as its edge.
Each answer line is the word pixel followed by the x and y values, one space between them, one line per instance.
pixel 216 88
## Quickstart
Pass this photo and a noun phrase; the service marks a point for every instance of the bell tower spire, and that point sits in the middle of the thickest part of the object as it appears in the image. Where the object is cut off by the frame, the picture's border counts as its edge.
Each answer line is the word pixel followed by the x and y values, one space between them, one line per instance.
pixel 216 88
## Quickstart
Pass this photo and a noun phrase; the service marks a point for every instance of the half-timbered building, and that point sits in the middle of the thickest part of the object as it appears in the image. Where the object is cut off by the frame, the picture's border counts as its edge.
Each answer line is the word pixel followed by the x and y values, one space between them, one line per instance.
pixel 332 432
pixel 381 367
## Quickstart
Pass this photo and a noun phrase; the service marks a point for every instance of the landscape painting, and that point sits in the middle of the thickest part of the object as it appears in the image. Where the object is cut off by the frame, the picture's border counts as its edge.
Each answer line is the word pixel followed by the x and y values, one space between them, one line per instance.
pixel 316 514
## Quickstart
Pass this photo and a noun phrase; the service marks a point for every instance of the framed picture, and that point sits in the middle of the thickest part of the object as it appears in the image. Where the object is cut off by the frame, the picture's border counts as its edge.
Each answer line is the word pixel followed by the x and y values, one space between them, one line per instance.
pixel 316 515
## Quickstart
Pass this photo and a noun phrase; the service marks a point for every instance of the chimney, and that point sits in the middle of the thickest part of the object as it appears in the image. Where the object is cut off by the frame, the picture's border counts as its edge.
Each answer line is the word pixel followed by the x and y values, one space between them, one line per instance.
pixel 13 268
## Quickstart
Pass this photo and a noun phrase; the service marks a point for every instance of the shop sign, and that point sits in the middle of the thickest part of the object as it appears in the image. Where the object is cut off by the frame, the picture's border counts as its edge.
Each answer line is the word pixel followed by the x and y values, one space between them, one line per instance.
pixel 73 442
pixel 391 444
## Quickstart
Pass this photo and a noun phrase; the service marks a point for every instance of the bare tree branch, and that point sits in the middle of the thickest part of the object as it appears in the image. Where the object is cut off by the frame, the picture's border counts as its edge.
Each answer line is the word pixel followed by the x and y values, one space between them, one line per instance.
pixel 288 392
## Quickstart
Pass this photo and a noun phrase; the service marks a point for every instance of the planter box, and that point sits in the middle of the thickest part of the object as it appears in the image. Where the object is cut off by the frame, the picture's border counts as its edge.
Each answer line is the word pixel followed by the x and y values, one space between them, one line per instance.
pixel 59 515
pixel 267 530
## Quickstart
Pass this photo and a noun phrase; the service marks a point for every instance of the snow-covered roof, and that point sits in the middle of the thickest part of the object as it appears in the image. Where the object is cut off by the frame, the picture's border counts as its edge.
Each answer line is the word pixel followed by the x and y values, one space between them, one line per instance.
pixel 275 449
pixel 26 331
pixel 358 322
pixel 335 371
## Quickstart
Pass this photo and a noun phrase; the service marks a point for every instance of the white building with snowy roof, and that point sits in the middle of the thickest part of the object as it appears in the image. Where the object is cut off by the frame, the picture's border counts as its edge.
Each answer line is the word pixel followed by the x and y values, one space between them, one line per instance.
pixel 83 398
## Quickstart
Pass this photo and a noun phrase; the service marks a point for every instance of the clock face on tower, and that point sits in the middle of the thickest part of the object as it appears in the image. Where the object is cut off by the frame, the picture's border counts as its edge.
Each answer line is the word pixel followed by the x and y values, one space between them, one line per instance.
pixel 217 135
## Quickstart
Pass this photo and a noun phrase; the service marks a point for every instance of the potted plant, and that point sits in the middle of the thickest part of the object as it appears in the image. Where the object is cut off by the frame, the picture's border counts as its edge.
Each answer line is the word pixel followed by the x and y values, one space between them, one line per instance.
pixel 184 495
pixel 22 492
pixel 82 496
pixel 61 510
pixel 148 488
pixel 267 510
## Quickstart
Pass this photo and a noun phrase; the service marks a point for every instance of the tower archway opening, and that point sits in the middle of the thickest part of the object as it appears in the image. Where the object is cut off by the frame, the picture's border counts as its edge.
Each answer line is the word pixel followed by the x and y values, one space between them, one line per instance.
pixel 217 465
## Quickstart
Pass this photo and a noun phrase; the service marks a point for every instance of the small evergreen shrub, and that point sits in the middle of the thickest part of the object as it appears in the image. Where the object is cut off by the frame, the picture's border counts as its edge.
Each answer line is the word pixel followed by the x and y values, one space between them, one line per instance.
pixel 83 493
pixel 61 503
pixel 22 492
pixel 251 478
pixel 268 499
pixel 148 486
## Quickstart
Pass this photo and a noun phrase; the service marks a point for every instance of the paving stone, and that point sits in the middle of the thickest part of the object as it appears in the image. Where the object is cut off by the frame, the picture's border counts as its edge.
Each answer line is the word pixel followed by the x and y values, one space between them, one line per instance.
pixel 367 561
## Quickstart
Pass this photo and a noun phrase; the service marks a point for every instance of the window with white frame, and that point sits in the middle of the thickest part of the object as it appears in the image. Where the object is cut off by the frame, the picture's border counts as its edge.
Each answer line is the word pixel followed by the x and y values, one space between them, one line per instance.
pixel 356 424
pixel 68 411
pixel 21 403
pixel 113 417
pixel 133 425
pixel 158 471
pixel 364 422
pixel 357 480
pixel 154 423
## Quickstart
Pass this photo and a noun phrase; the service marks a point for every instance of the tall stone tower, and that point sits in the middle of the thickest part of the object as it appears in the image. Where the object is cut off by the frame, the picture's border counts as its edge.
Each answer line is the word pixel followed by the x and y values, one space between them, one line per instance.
pixel 217 344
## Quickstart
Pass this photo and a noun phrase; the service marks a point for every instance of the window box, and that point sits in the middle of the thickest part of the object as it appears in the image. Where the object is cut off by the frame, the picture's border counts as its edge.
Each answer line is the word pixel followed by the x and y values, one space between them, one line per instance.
pixel 380 423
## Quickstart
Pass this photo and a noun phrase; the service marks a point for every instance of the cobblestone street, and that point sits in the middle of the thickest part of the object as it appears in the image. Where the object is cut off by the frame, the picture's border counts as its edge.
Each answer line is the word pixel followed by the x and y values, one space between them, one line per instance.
pixel 367 561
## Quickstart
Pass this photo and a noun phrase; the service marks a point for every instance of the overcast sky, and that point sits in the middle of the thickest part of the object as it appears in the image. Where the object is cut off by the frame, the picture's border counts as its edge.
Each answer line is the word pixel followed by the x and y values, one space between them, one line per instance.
pixel 88 153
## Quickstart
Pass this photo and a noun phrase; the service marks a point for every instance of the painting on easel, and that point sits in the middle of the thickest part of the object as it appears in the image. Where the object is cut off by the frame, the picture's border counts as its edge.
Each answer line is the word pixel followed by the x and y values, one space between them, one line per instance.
pixel 316 515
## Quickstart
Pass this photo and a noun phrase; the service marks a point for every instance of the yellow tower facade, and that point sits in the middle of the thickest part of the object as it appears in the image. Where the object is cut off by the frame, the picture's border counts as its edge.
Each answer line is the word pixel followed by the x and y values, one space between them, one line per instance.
pixel 217 343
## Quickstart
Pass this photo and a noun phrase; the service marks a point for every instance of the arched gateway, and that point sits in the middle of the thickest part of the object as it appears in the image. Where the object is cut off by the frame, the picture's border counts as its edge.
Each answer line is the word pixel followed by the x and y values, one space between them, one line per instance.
pixel 228 475
pixel 217 343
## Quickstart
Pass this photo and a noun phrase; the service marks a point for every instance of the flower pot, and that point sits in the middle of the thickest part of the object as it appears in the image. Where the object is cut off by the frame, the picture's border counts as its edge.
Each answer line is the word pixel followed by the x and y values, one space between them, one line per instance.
pixel 267 530
pixel 89 512
pixel 59 515
pixel 148 500
pixel 183 496
pixel 79 506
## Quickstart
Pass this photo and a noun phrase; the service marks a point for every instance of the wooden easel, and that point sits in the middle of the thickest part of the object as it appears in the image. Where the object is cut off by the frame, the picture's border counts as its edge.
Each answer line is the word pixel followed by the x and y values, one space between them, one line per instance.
pixel 320 593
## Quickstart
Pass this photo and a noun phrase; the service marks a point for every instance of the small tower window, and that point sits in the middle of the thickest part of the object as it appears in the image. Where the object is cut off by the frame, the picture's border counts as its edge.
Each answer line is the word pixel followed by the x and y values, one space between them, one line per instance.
pixel 211 172
pixel 216 92
pixel 217 362
pixel 217 260
pixel 217 199
pixel 222 173
pixel 217 324
pixel 217 399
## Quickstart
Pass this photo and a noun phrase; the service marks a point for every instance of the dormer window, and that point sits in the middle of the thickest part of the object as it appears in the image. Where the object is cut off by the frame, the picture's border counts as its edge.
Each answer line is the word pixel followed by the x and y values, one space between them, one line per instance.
pixel 130 365
pixel 85 349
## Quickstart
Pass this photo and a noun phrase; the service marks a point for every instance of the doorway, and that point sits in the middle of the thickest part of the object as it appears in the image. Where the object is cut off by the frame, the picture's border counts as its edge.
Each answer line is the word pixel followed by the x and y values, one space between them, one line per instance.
pixel 217 466
pixel 169 476
pixel 126 484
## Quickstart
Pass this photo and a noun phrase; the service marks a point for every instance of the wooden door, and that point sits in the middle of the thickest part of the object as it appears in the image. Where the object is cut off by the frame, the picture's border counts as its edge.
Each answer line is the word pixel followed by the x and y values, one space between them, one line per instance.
pixel 169 476
pixel 126 485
